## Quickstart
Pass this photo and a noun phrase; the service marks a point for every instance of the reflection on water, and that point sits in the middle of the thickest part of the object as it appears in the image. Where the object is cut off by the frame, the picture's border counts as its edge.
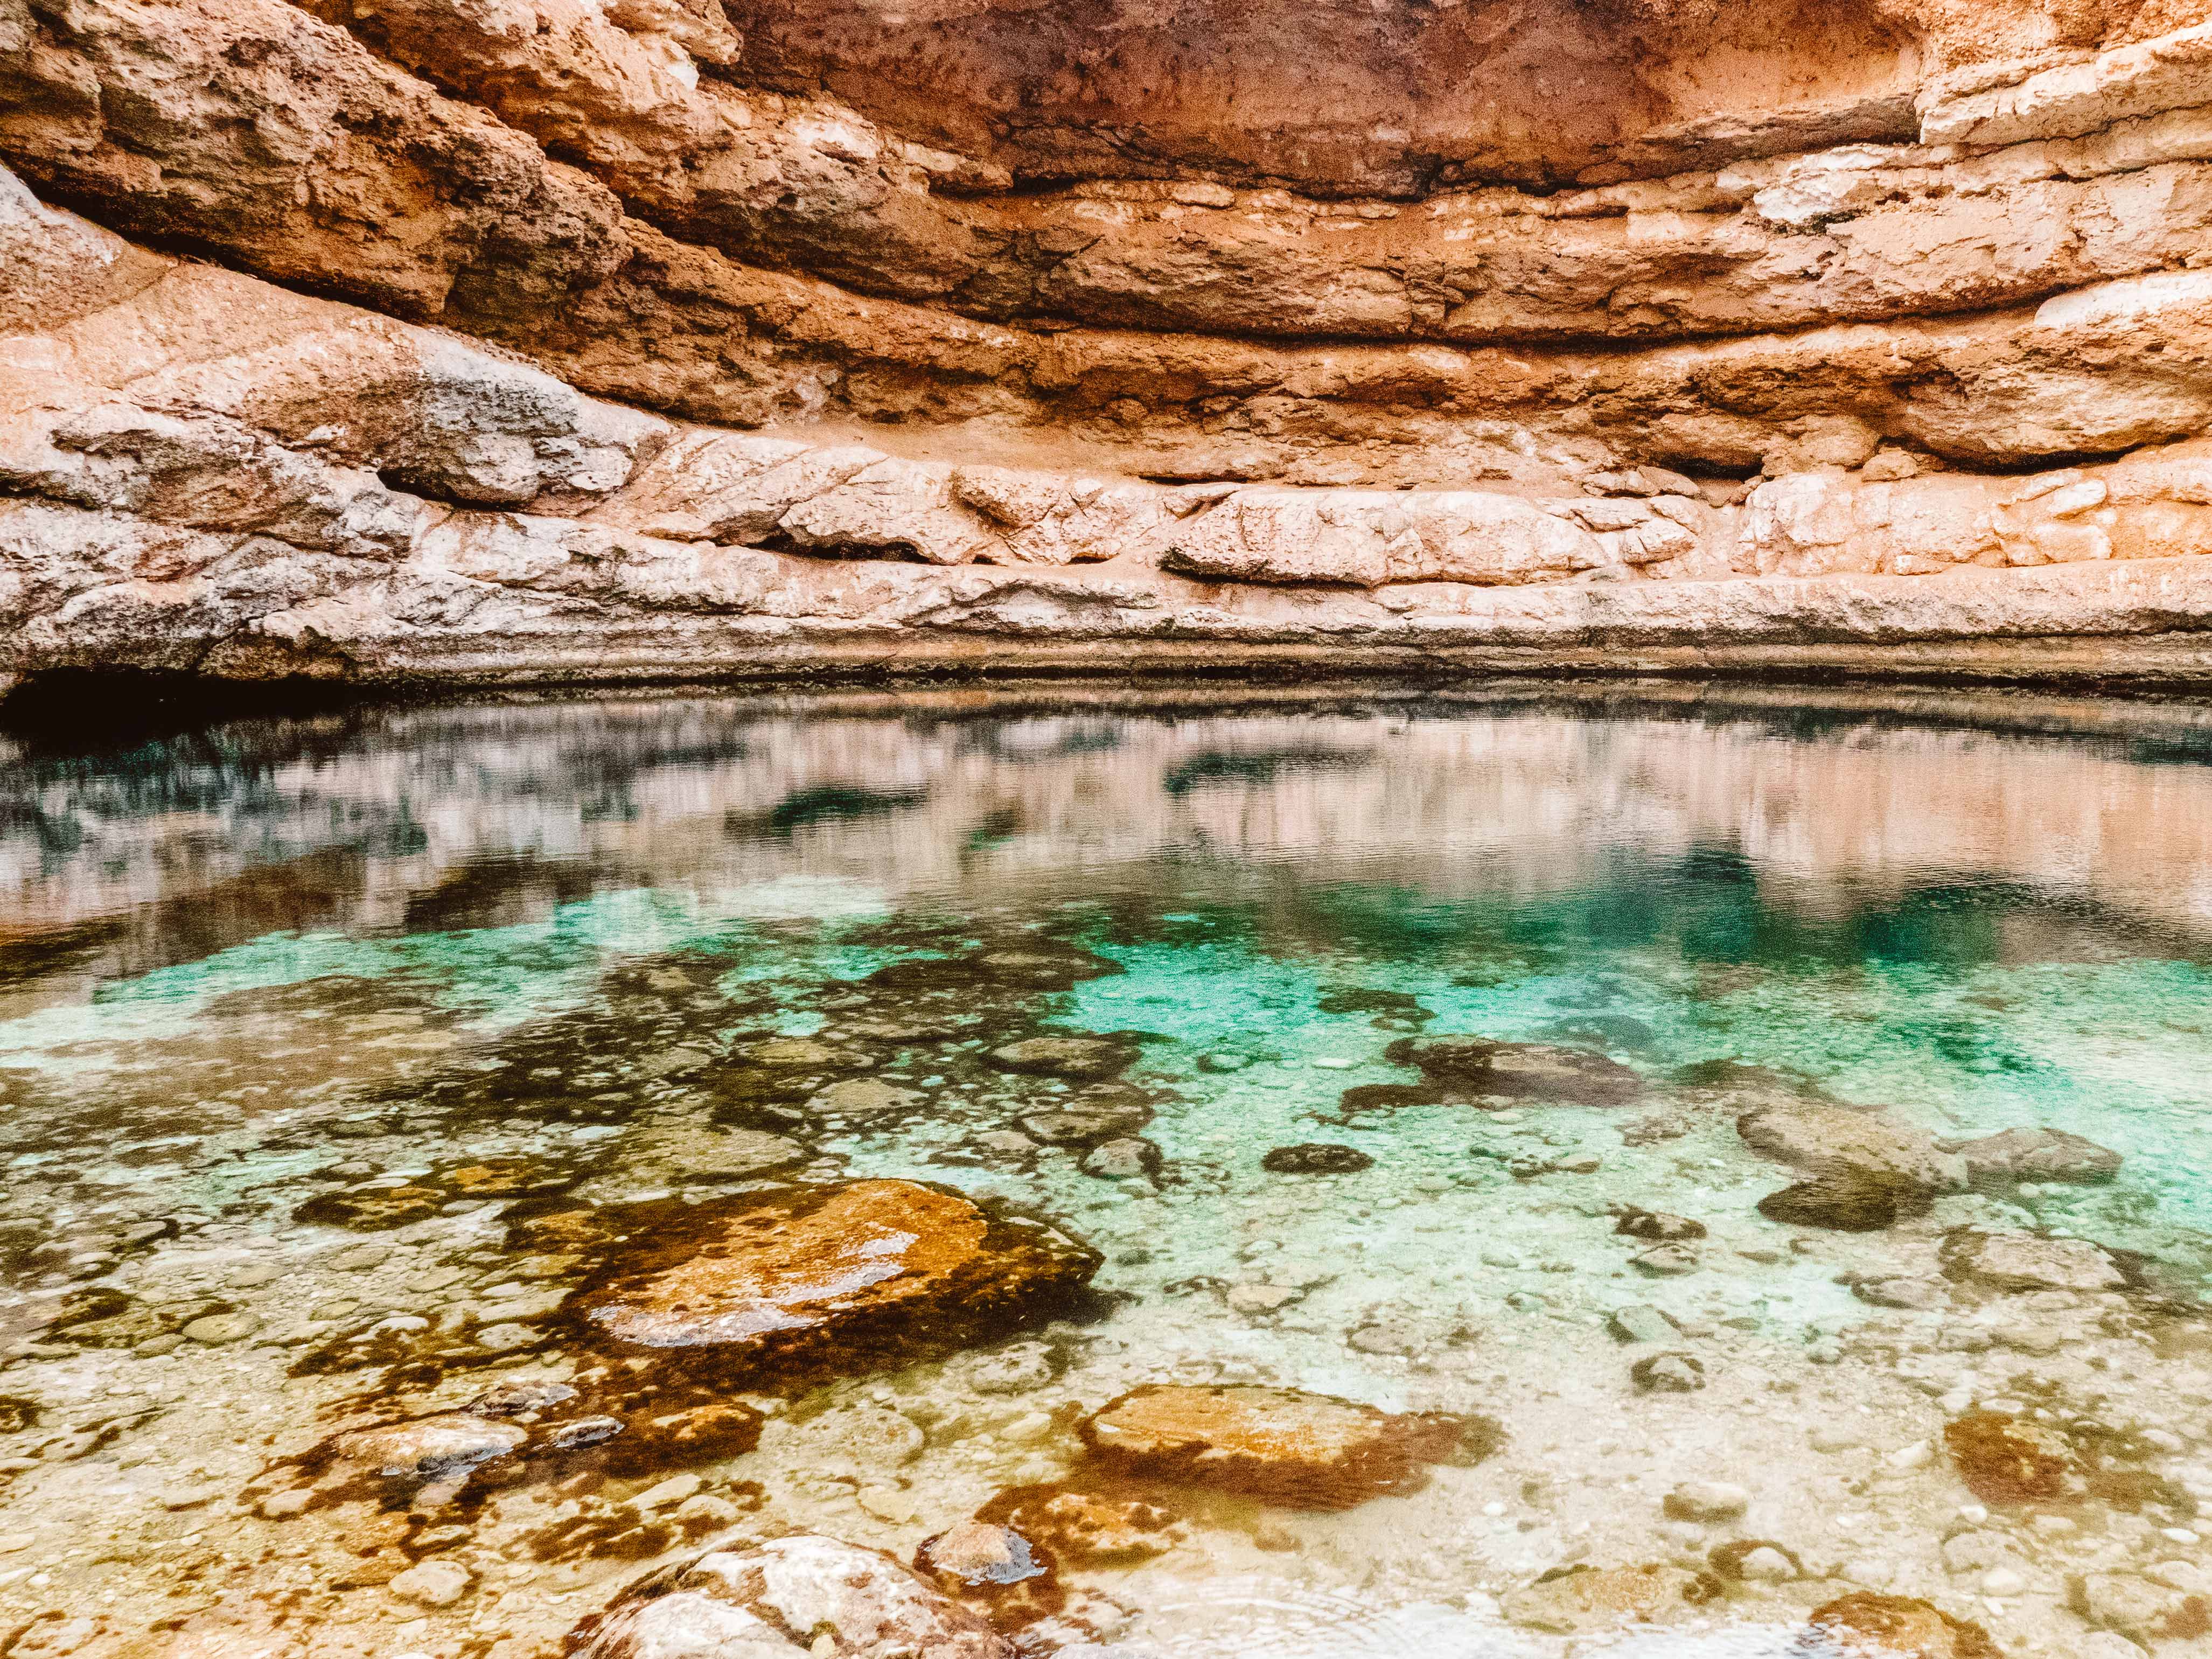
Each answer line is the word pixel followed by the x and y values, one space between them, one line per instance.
pixel 1698 1174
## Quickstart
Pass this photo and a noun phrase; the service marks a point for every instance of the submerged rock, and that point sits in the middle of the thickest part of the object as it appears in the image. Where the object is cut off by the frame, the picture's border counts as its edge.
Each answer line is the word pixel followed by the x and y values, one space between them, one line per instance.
pixel 1388 1096
pixel 1900 1626
pixel 843 1278
pixel 982 1553
pixel 428 1448
pixel 1521 1071
pixel 522 1397
pixel 781 1600
pixel 1666 1261
pixel 1257 1298
pixel 1706 1501
pixel 1901 1291
pixel 1064 1056
pixel 1840 1141
pixel 863 1097
pixel 1083 1120
pixel 1641 1323
pixel 662 1156
pixel 1316 1158
pixel 584 1432
pixel 1301 1450
pixel 2139 1607
pixel 1755 1560
pixel 1846 1201
pixel 995 1568
pixel 1047 966
pixel 372 1209
pixel 2036 1155
pixel 1087 1528
pixel 433 1583
pixel 1015 1369
pixel 1669 1373
pixel 1582 1600
pixel 792 1054
pixel 1632 1223
pixel 1746 1086
pixel 2029 1261
pixel 1125 1158
pixel 2010 1460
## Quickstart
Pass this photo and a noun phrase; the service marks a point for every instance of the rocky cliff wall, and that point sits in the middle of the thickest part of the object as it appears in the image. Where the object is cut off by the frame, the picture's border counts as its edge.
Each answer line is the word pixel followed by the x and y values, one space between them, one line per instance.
pixel 532 340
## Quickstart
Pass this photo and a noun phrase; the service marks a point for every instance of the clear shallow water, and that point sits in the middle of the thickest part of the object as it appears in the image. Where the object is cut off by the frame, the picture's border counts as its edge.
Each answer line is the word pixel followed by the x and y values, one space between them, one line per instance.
pixel 299 1020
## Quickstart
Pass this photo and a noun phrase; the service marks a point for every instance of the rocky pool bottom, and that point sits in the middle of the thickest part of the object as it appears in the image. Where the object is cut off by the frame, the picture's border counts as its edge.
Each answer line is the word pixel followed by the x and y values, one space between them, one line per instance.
pixel 1187 1258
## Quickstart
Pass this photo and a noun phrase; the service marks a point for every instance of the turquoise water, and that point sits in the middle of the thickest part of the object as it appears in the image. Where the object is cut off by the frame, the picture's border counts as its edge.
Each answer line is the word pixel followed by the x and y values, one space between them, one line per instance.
pixel 274 963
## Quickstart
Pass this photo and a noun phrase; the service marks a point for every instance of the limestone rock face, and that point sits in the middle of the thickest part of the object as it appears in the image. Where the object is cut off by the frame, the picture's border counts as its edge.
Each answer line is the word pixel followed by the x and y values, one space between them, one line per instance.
pixel 742 338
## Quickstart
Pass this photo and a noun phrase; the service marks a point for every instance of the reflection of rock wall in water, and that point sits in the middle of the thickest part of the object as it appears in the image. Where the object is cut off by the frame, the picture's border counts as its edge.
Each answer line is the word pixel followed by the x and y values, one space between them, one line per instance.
pixel 734 337
pixel 476 817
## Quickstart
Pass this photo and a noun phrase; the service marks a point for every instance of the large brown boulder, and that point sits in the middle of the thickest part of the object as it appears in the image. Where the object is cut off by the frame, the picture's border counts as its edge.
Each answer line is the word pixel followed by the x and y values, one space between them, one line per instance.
pixel 1301 1450
pixel 838 1277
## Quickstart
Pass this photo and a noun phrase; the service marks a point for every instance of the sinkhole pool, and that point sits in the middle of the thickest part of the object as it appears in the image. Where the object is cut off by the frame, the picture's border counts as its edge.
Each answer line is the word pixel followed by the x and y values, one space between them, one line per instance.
pixel 1668 1172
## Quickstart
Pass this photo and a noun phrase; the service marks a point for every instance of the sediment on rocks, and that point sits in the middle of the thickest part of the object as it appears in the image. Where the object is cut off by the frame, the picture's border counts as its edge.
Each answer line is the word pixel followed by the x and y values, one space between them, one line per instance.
pixel 718 341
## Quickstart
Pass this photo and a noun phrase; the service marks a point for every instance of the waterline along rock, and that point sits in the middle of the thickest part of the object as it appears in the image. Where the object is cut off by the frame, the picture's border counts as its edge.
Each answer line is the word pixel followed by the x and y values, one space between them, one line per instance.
pixel 403 342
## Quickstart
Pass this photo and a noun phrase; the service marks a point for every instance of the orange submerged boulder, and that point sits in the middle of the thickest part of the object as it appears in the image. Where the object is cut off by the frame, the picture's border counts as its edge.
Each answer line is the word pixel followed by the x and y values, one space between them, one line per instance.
pixel 1301 1450
pixel 838 1277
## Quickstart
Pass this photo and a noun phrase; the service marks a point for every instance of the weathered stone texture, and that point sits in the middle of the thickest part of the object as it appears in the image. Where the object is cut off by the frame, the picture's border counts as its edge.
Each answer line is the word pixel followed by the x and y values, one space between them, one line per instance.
pixel 693 338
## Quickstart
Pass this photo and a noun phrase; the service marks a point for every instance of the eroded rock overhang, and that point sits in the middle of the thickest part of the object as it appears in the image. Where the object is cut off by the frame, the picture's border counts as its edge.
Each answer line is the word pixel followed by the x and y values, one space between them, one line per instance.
pixel 545 341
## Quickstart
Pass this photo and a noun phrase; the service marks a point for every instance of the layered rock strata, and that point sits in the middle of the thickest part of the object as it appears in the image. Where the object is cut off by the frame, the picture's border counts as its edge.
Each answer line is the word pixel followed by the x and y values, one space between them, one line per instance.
pixel 392 341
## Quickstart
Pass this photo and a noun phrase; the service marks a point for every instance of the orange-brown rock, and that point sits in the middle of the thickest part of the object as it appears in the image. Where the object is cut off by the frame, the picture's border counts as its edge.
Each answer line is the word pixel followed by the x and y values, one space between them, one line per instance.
pixel 810 1278
pixel 2010 1459
pixel 1085 1527
pixel 1297 1449
pixel 1882 1626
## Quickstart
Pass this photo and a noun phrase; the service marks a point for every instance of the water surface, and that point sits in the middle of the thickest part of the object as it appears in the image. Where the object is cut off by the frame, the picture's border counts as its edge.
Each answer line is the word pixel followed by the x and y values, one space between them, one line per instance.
pixel 306 1025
